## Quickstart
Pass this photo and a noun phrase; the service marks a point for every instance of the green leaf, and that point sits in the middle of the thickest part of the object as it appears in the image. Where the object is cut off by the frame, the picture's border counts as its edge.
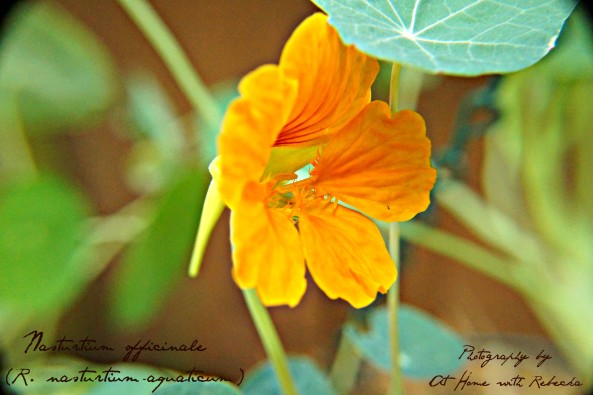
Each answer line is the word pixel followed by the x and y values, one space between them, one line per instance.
pixel 43 255
pixel 41 228
pixel 427 348
pixel 16 159
pixel 152 266
pixel 490 224
pixel 58 69
pixel 460 37
pixel 307 376
pixel 542 136
pixel 159 153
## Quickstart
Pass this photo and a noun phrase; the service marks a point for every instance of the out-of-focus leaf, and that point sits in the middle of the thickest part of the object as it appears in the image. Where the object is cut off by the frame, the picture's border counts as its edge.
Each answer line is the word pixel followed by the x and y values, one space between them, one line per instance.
pixel 461 37
pixel 15 156
pixel 543 135
pixel 58 69
pixel 307 377
pixel 41 228
pixel 42 252
pixel 490 224
pixel 575 43
pixel 152 265
pixel 160 153
pixel 427 348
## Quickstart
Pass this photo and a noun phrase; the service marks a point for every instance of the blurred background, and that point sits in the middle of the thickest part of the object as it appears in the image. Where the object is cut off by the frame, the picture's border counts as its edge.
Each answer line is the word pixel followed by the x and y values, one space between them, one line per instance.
pixel 103 169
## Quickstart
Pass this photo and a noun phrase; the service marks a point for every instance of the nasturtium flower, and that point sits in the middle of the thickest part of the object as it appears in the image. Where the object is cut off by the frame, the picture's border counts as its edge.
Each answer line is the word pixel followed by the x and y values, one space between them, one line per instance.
pixel 313 109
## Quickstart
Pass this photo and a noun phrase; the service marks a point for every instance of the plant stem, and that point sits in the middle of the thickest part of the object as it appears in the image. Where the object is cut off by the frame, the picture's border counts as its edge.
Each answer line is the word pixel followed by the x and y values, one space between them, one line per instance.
pixel 463 251
pixel 271 341
pixel 397 384
pixel 190 83
pixel 163 41
pixel 404 90
pixel 345 366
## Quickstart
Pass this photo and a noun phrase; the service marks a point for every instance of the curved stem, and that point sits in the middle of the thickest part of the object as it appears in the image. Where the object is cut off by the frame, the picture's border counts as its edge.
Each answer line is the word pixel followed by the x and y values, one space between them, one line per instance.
pixel 190 83
pixel 163 41
pixel 271 341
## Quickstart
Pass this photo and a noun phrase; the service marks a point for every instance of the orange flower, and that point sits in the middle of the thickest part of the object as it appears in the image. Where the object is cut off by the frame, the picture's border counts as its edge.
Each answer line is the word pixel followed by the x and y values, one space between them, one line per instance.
pixel 313 108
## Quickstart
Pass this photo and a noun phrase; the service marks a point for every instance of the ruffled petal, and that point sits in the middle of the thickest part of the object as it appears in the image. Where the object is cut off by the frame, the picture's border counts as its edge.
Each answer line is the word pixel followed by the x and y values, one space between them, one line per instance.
pixel 379 164
pixel 250 127
pixel 334 82
pixel 267 252
pixel 345 254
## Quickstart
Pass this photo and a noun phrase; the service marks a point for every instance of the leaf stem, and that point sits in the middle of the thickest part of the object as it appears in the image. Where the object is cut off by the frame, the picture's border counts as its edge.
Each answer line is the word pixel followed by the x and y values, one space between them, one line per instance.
pixel 271 341
pixel 165 44
pixel 463 251
pixel 397 384
pixel 345 366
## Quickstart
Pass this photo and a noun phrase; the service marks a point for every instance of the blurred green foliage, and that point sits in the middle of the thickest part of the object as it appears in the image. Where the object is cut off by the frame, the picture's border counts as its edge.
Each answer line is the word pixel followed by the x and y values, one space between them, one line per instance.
pixel 157 260
pixel 60 74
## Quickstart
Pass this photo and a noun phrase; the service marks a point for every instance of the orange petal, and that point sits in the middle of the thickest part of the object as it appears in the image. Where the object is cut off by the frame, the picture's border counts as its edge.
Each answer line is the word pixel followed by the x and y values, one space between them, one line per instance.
pixel 250 127
pixel 379 164
pixel 334 82
pixel 345 254
pixel 267 252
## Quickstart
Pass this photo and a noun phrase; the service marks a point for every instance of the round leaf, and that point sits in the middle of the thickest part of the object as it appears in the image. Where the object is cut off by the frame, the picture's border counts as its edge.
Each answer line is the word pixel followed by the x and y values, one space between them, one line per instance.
pixel 307 377
pixel 426 347
pixel 461 37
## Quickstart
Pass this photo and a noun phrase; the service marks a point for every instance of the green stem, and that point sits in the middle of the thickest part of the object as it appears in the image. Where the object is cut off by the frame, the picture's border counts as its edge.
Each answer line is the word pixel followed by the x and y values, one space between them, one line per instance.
pixel 463 251
pixel 397 384
pixel 173 56
pixel 397 381
pixel 345 367
pixel 271 341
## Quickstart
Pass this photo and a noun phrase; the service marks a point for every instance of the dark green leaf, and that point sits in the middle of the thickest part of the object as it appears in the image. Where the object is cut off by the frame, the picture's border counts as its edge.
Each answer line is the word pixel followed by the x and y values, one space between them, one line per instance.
pixel 426 347
pixel 462 37
pixel 59 71
pixel 308 379
pixel 152 266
